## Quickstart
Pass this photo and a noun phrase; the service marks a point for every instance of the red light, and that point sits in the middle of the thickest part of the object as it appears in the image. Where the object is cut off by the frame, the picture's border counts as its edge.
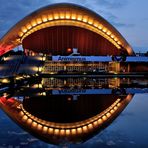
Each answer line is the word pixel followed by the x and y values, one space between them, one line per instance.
pixel 69 50
pixel 69 99
pixel 11 100
pixel 5 49
pixel 2 100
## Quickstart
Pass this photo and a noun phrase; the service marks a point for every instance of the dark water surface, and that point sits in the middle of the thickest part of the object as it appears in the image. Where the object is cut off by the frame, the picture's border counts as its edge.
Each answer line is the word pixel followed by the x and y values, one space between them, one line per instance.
pixel 78 103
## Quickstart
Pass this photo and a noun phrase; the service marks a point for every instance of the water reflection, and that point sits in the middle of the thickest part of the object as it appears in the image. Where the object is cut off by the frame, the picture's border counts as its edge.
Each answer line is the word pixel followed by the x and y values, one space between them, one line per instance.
pixel 68 110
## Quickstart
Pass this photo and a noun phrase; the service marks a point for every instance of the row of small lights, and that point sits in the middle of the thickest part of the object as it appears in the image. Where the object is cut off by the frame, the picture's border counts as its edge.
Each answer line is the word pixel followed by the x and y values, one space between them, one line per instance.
pixel 68 128
pixel 6 80
pixel 34 25
pixel 73 23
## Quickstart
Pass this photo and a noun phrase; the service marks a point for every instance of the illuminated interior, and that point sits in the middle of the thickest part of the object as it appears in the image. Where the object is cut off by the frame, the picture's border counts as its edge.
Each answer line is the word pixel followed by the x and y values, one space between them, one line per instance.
pixel 70 22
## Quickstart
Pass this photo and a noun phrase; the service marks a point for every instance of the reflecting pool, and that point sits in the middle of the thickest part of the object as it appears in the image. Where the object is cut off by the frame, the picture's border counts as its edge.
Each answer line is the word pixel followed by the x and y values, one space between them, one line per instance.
pixel 74 112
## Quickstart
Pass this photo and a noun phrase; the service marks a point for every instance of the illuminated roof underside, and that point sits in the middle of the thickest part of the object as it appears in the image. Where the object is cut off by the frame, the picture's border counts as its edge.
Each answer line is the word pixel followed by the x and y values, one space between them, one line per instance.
pixel 59 15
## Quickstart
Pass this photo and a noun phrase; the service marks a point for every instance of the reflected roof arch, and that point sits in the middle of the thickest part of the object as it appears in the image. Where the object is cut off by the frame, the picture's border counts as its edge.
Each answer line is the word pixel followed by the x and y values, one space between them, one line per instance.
pixel 54 132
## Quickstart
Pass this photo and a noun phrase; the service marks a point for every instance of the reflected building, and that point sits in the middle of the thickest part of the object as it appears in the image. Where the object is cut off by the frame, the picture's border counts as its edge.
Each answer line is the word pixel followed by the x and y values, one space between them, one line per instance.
pixel 80 82
pixel 64 119
pixel 67 114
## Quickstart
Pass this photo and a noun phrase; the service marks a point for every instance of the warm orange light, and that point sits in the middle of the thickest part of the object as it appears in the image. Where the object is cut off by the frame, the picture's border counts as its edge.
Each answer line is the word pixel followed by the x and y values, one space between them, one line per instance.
pixel 62 15
pixel 45 129
pixel 56 131
pixel 50 17
pixel 115 108
pixel 39 21
pixel 62 132
pixel 90 21
pixel 5 81
pixel 39 127
pixel 79 130
pixel 85 18
pixel 104 29
pixel 44 18
pixel 24 118
pixel 96 24
pixel 119 42
pixel 100 27
pixel 24 29
pixel 69 99
pixel 29 121
pixel 69 50
pixel 20 34
pixel 50 130
pixel 90 126
pixel 108 32
pixel 112 36
pixel 28 26
pixel 21 113
pixel 115 39
pixel 67 132
pixel 56 16
pixel 79 18
pixel 108 114
pixel 85 129
pixel 67 15
pixel 100 121
pixel 73 131
pixel 33 23
pixel 118 99
pixel 34 124
pixel 73 17
pixel 112 111
pixel 118 104
pixel 104 118
pixel 95 123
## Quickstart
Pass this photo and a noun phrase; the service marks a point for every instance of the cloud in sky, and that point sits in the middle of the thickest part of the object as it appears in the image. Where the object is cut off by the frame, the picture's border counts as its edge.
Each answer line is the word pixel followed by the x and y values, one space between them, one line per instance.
pixel 12 11
pixel 114 20
pixel 116 12
pixel 113 4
